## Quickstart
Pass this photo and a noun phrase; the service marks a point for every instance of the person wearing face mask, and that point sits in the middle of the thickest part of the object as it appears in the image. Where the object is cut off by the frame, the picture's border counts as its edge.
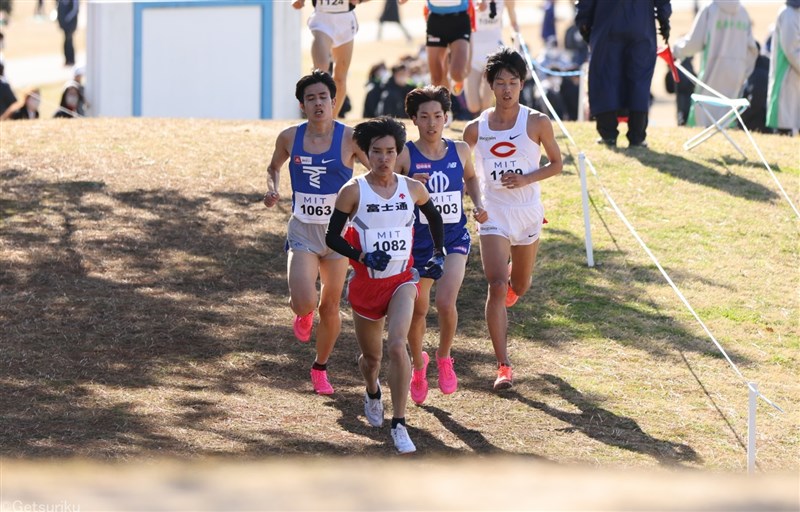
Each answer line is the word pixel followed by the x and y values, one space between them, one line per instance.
pixel 25 108
pixel 70 99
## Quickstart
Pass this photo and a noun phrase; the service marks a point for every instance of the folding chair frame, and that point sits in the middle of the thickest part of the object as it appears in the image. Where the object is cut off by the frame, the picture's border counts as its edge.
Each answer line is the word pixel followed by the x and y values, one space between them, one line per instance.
pixel 701 100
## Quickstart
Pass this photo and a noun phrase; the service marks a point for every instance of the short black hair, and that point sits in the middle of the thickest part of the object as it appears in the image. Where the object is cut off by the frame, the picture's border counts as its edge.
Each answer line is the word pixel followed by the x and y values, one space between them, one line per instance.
pixel 508 59
pixel 425 94
pixel 366 132
pixel 316 77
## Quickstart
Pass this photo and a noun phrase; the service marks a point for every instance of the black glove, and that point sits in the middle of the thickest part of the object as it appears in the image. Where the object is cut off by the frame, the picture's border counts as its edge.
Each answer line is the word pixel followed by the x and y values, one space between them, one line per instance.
pixel 492 9
pixel 435 266
pixel 586 32
pixel 663 29
pixel 377 260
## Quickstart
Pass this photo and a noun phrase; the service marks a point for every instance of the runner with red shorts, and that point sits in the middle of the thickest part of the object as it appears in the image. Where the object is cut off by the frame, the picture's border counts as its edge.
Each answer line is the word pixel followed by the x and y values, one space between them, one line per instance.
pixel 380 207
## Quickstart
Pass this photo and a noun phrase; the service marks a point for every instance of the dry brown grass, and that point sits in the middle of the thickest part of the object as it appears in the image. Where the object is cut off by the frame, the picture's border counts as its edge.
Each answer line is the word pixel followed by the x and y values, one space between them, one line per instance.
pixel 144 310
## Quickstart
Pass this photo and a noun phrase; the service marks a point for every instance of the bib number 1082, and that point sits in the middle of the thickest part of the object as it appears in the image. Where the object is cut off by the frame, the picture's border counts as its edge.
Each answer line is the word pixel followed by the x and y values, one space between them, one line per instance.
pixel 390 245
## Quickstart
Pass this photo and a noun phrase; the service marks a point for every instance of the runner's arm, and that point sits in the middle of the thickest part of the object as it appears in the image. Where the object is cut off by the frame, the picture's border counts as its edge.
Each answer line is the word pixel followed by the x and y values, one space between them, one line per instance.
pixel 279 157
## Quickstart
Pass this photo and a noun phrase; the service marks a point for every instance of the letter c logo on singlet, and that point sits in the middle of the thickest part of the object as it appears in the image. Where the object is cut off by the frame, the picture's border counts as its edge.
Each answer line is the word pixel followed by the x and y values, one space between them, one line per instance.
pixel 503 149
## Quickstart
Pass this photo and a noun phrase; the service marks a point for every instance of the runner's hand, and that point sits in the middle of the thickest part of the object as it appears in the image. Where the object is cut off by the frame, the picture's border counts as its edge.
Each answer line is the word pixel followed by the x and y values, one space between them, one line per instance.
pixel 271 198
pixel 377 260
pixel 480 215
pixel 435 266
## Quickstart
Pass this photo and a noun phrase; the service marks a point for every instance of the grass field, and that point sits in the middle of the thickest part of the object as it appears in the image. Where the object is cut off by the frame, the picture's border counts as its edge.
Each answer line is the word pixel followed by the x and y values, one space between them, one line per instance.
pixel 144 310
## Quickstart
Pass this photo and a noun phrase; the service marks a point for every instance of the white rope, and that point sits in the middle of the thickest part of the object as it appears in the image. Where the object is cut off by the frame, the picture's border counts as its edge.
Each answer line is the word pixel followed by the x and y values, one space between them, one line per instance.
pixel 707 87
pixel 630 227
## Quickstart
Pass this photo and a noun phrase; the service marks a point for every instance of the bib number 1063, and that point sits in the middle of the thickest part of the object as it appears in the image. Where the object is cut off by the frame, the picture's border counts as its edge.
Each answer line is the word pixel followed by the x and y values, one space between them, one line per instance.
pixel 316 211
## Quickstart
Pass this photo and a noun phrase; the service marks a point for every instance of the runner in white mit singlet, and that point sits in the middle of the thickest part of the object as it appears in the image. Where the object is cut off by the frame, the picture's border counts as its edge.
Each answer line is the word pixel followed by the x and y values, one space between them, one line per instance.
pixel 506 140
pixel 486 39
pixel 380 205
pixel 334 26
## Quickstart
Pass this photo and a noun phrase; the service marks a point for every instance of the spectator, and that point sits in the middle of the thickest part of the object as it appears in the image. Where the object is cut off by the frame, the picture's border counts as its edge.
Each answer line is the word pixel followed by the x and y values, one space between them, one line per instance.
pixel 391 14
pixel 393 97
pixel 755 90
pixel 70 99
pixel 5 12
pixel 622 39
pixel 7 97
pixel 549 24
pixel 77 76
pixel 783 104
pixel 25 108
pixel 68 21
pixel 722 31
pixel 377 76
pixel 682 90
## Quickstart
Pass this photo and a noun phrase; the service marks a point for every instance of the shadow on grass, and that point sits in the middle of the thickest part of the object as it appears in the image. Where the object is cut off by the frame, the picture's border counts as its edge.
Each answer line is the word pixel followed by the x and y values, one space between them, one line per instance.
pixel 143 289
pixel 569 301
pixel 602 425
pixel 699 174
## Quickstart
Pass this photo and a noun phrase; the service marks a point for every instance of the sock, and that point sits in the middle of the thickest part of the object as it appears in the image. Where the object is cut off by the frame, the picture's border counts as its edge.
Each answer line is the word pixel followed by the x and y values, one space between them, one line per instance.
pixel 321 367
pixel 374 396
pixel 398 421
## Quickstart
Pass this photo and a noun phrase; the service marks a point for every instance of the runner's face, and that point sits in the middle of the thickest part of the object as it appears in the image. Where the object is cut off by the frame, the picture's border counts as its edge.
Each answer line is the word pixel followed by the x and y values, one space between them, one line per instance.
pixel 382 155
pixel 506 87
pixel 430 121
pixel 317 102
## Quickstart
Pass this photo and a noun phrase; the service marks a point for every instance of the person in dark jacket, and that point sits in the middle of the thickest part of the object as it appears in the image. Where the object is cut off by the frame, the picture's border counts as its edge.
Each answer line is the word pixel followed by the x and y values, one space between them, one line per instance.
pixel 374 90
pixel 67 11
pixel 26 107
pixel 393 97
pixel 7 97
pixel 70 100
pixel 755 90
pixel 682 90
pixel 622 38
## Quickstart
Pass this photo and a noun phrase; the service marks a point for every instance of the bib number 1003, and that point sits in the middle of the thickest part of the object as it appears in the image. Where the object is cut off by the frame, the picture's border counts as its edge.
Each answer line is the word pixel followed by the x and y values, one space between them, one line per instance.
pixel 318 211
pixel 390 245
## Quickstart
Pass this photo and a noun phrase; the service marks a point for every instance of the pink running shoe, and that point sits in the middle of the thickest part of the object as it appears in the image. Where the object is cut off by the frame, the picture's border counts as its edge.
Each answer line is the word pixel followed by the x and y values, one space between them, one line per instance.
pixel 511 295
pixel 419 381
pixel 302 327
pixel 319 378
pixel 448 382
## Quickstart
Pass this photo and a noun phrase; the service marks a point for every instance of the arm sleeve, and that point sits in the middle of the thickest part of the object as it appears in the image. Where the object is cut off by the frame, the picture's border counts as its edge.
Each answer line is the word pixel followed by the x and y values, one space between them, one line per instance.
pixel 334 238
pixel 434 223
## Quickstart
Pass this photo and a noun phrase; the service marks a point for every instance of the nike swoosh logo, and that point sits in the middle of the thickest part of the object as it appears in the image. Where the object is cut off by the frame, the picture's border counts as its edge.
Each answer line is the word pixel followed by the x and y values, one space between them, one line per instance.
pixel 514 136
pixel 531 236
pixel 328 161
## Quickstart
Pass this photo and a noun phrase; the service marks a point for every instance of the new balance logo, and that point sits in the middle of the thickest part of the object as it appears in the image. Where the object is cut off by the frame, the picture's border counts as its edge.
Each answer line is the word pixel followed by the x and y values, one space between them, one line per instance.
pixel 314 173
pixel 452 165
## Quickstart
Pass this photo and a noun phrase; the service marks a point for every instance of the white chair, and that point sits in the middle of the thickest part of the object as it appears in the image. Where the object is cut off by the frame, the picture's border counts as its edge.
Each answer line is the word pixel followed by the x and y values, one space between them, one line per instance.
pixel 733 105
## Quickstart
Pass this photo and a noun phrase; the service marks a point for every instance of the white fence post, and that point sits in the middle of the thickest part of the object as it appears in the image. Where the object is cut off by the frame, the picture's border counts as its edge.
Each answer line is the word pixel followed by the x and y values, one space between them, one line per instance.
pixel 751 428
pixel 587 226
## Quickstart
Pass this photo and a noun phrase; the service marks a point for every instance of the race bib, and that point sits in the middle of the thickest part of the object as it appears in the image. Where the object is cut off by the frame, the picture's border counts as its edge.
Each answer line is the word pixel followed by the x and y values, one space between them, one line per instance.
pixel 313 208
pixel 494 168
pixel 333 5
pixel 448 204
pixel 445 3
pixel 395 240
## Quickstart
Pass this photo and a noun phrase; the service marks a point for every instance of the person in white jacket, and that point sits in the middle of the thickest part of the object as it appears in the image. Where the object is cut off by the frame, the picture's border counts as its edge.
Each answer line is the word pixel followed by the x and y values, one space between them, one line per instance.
pixel 722 32
pixel 783 96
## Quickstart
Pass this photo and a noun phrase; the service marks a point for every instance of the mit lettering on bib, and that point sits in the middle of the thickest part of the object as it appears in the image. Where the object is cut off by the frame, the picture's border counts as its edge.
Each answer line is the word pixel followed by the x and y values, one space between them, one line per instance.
pixel 494 168
pixel 313 208
pixel 395 240
pixel 448 204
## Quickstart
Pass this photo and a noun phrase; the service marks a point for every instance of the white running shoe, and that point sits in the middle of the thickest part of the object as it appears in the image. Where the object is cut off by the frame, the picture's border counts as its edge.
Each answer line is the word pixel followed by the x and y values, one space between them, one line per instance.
pixel 373 409
pixel 401 440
